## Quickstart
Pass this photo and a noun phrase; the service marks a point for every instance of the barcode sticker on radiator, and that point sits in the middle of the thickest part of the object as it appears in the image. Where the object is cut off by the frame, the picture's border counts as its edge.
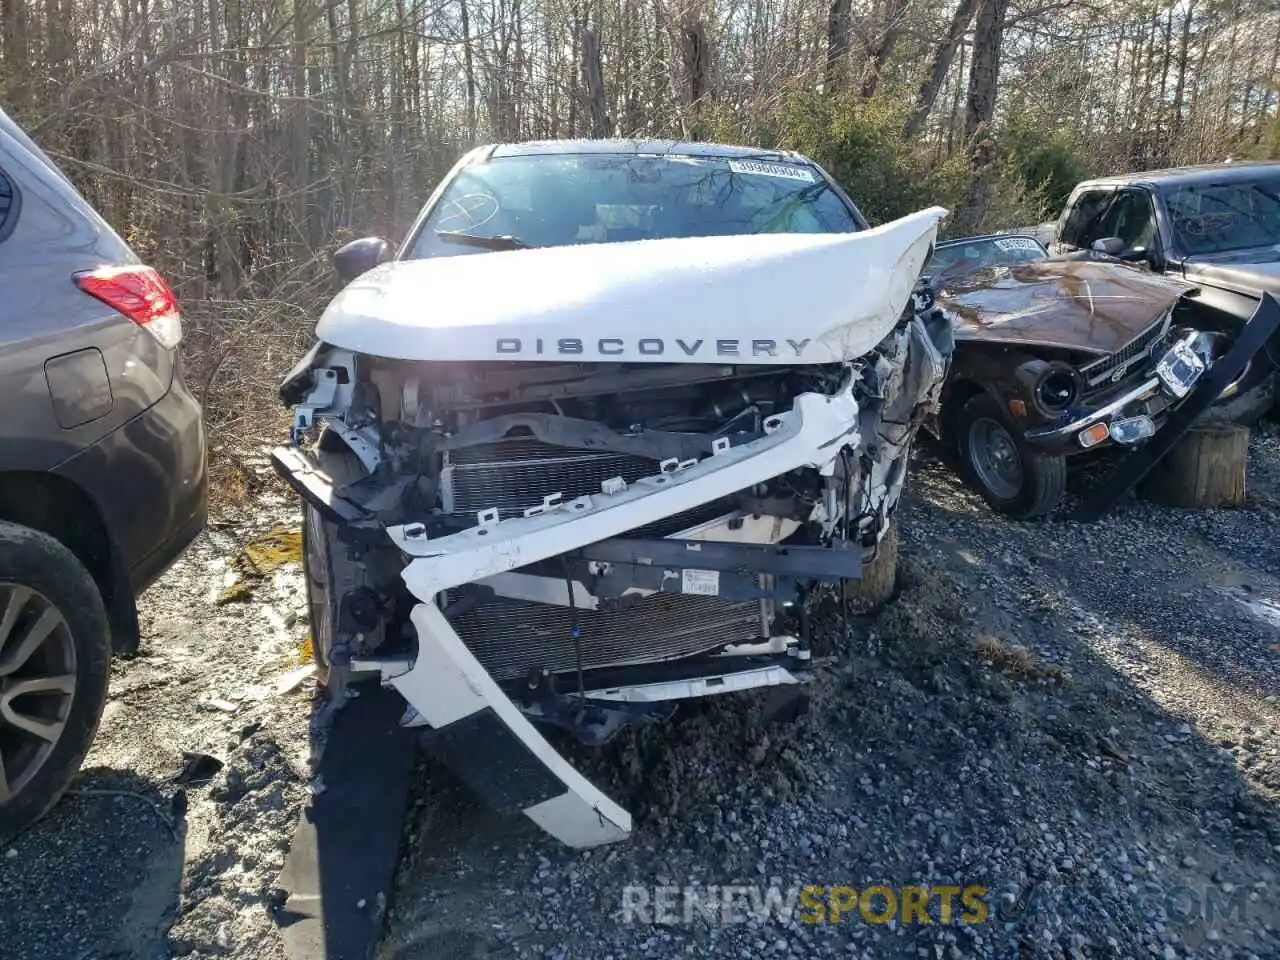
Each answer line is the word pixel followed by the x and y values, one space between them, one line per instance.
pixel 704 582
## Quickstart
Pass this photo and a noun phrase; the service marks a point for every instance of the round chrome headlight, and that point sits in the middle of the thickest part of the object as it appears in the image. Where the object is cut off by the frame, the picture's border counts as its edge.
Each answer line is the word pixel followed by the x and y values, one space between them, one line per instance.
pixel 1057 389
pixel 1052 386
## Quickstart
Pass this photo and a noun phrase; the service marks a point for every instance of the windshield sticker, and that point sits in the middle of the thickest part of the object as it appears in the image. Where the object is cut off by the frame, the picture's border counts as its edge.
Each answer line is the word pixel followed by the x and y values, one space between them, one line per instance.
pixel 761 169
pixel 1017 243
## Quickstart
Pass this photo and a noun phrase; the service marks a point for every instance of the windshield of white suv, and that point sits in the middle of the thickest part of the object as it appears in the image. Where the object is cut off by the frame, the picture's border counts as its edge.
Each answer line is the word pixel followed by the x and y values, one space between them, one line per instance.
pixel 542 201
pixel 1220 217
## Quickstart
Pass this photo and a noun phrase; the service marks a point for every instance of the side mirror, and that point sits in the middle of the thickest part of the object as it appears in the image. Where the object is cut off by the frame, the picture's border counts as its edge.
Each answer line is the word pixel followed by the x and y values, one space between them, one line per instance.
pixel 1111 246
pixel 1134 254
pixel 360 256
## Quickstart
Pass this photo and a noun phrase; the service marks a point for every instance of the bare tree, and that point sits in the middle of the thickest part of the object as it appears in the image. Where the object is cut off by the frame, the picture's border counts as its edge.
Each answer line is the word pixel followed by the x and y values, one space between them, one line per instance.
pixel 235 141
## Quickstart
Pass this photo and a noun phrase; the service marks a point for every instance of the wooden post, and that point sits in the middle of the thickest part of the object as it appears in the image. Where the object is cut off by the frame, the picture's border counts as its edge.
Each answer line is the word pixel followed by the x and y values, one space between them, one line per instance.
pixel 1205 469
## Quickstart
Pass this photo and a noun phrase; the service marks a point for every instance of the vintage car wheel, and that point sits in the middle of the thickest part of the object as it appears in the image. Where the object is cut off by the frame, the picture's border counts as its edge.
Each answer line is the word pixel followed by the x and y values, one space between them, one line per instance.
pixel 329 574
pixel 55 660
pixel 1012 478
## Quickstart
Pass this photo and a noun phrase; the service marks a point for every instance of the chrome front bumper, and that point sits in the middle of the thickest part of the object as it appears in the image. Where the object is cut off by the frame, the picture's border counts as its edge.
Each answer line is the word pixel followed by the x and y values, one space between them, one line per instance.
pixel 1125 406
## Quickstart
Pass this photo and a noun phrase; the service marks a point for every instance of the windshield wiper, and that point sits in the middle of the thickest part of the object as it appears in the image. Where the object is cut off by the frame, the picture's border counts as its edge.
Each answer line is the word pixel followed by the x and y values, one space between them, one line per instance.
pixel 501 242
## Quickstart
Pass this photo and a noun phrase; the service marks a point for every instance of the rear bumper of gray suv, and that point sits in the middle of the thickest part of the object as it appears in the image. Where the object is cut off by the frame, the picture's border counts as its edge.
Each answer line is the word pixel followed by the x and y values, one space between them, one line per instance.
pixel 149 481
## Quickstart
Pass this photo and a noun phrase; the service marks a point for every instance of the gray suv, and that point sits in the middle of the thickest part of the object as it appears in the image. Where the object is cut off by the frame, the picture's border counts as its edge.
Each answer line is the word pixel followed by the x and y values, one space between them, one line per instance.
pixel 102 467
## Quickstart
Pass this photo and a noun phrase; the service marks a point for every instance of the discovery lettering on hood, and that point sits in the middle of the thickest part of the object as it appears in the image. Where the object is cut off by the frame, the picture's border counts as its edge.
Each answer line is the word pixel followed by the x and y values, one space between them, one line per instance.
pixel 786 347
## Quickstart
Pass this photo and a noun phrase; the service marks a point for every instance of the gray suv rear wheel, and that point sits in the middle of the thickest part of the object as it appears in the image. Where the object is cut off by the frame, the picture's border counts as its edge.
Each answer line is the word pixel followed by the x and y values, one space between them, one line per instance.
pixel 55 651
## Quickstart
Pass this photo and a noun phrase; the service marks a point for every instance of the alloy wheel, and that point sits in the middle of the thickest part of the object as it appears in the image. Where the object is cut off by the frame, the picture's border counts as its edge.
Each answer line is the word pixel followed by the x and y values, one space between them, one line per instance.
pixel 37 684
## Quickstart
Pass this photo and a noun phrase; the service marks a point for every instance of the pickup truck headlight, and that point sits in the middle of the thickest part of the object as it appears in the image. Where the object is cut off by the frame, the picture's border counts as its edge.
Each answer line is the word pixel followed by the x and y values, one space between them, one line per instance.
pixel 1051 385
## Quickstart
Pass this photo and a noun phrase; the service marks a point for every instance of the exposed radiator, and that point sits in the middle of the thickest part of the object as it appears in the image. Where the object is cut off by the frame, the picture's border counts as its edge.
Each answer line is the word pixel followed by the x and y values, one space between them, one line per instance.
pixel 516 474
pixel 513 637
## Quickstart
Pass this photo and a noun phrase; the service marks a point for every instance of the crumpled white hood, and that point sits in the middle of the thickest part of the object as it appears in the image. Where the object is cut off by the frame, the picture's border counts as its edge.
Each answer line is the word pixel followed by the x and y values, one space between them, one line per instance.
pixel 763 298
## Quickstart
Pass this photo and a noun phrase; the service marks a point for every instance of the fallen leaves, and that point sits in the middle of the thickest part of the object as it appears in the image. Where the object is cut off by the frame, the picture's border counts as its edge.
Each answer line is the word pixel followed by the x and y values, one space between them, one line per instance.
pixel 259 557
pixel 1017 660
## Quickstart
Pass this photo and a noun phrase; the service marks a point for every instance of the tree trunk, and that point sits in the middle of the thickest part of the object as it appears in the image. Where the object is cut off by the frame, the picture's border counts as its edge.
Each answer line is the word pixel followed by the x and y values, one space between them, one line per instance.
pixel 1181 85
pixel 939 64
pixel 1205 469
pixel 301 134
pixel 593 79
pixel 838 25
pixel 697 71
pixel 984 68
pixel 980 108
pixel 13 49
pixel 469 67
pixel 880 54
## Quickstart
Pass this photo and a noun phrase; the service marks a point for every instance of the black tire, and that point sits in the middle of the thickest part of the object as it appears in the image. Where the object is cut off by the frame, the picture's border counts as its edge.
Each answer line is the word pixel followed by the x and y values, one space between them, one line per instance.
pixel 879 577
pixel 38 575
pixel 1040 480
pixel 329 573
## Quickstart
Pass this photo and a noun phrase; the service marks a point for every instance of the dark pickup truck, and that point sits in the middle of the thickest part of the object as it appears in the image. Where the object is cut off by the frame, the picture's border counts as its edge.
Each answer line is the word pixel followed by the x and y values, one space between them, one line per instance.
pixel 1216 226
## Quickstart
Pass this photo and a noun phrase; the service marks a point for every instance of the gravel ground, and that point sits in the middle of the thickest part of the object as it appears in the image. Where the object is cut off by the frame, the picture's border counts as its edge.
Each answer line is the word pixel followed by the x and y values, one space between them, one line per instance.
pixel 1082 720
pixel 140 861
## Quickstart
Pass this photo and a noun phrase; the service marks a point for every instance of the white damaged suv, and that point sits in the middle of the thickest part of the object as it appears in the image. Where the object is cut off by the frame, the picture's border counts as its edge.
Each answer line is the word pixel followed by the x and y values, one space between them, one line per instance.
pixel 581 447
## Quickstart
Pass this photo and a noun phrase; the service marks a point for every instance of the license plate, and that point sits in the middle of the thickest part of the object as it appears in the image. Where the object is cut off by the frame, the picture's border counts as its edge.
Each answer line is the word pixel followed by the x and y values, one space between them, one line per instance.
pixel 1179 369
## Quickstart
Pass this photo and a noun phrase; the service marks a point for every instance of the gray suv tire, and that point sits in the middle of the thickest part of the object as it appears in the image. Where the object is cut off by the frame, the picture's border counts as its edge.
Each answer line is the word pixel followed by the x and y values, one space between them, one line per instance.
pixel 55 652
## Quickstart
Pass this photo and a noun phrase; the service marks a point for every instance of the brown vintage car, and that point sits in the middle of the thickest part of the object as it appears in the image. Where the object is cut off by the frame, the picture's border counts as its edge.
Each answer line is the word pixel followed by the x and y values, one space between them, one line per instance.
pixel 1060 356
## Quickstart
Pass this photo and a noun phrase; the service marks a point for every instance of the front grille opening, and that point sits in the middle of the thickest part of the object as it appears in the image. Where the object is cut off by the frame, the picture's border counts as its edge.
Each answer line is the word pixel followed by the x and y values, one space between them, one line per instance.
pixel 1149 343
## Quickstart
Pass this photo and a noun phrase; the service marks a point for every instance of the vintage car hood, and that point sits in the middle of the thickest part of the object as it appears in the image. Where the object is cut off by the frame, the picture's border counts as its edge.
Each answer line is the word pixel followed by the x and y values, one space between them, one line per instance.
pixel 1253 273
pixel 764 299
pixel 1087 306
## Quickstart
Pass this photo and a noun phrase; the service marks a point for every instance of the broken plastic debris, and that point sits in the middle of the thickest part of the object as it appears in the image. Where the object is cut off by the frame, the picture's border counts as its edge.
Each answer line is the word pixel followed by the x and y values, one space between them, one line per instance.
pixel 226 706
pixel 290 681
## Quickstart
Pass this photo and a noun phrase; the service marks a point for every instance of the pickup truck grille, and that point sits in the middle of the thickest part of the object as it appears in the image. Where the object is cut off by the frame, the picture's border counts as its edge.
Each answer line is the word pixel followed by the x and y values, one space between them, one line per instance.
pixel 1128 358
